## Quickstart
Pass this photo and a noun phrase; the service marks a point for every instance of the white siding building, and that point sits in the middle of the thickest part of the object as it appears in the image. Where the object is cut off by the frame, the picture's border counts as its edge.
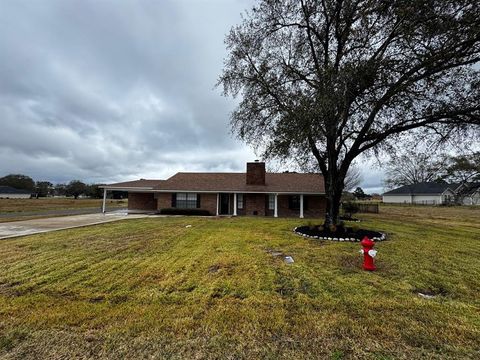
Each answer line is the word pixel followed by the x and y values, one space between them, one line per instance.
pixel 7 192
pixel 421 193
pixel 470 194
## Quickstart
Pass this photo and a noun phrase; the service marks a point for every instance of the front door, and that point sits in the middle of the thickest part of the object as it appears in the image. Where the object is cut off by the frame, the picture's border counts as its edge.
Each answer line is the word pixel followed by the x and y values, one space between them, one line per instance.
pixel 224 204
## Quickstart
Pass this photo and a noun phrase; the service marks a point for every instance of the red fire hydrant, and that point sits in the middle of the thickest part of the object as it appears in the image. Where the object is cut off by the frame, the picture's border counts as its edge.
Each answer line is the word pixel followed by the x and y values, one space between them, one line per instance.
pixel 368 254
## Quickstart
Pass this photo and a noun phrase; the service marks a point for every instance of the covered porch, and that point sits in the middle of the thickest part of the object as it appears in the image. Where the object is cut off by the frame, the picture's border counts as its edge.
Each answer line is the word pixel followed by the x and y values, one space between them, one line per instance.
pixel 270 204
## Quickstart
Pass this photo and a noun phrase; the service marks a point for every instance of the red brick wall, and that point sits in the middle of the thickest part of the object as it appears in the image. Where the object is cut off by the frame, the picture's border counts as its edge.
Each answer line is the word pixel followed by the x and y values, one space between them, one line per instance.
pixel 283 210
pixel 255 173
pixel 242 210
pixel 208 201
pixel 164 200
pixel 251 202
pixel 254 202
pixel 317 206
pixel 142 201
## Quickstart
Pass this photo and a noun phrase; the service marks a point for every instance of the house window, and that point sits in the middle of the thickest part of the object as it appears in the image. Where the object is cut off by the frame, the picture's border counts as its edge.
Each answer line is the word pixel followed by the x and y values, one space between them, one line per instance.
pixel 186 200
pixel 294 202
pixel 271 202
pixel 240 201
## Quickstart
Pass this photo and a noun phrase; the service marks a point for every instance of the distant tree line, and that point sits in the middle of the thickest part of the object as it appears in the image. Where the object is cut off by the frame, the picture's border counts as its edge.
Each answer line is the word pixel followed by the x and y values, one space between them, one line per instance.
pixel 412 167
pixel 74 188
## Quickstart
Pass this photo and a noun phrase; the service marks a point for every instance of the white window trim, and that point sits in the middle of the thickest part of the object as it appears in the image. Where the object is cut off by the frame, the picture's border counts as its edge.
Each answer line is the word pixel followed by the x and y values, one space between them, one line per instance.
pixel 188 197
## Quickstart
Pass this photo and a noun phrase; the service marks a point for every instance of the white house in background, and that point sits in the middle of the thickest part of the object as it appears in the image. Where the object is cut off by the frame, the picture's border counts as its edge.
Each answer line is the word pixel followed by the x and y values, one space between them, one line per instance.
pixel 469 194
pixel 426 193
pixel 7 192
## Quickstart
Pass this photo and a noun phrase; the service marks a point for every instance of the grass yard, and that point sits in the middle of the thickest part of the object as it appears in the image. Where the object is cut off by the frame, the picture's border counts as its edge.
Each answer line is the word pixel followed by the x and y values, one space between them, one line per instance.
pixel 26 209
pixel 152 288
pixel 47 204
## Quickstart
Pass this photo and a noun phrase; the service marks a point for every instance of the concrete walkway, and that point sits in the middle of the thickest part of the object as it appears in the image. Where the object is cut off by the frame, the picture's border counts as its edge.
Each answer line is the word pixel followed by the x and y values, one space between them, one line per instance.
pixel 36 226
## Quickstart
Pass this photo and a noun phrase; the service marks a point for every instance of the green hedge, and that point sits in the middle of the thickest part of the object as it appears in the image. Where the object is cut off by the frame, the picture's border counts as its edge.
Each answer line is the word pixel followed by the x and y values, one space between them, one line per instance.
pixel 175 211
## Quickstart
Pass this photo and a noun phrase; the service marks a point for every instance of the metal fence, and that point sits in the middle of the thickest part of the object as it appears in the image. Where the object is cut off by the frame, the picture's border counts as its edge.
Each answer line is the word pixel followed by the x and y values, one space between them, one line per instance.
pixel 425 202
pixel 367 208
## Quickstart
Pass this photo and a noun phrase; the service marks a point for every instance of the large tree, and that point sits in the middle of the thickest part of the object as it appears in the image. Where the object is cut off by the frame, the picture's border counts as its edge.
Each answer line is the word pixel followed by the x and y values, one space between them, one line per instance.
pixel 75 188
pixel 43 188
pixel 60 190
pixel 353 179
pixel 412 167
pixel 463 168
pixel 329 80
pixel 18 181
pixel 94 191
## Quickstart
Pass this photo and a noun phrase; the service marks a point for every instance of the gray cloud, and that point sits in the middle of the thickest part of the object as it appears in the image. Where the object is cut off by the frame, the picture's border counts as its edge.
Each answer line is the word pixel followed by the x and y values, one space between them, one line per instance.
pixel 109 90
pixel 115 90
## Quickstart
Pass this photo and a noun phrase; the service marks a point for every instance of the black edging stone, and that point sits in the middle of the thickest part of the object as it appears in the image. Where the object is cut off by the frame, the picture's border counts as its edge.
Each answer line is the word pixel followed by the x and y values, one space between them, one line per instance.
pixel 381 237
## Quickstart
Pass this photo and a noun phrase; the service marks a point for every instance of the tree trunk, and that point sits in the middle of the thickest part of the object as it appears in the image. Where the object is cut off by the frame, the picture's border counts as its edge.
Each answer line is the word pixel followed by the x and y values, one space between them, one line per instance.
pixel 334 179
pixel 334 182
pixel 334 196
pixel 334 185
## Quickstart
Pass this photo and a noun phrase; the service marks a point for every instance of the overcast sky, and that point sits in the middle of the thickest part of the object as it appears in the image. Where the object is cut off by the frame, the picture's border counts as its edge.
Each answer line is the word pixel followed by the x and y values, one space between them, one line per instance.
pixel 106 91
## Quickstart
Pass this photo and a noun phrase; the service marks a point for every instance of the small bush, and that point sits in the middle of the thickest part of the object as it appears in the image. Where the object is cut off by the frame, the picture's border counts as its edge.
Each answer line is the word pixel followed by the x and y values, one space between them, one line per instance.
pixel 175 211
pixel 350 208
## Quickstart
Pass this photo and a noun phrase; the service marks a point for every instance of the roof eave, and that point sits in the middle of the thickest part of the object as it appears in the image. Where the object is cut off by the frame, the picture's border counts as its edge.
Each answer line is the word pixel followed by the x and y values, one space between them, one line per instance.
pixel 243 192
pixel 125 188
pixel 150 189
pixel 415 194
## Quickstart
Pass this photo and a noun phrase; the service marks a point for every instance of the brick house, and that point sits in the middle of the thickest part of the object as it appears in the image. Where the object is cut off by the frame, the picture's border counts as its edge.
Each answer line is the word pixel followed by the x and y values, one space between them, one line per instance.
pixel 253 193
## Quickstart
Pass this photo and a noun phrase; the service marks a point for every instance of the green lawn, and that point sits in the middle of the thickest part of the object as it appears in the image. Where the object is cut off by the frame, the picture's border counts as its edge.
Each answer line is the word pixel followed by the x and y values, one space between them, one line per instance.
pixel 154 288
pixel 46 204
pixel 26 209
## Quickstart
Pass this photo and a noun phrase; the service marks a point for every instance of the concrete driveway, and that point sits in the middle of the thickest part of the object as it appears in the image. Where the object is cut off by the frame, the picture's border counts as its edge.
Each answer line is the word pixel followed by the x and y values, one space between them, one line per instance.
pixel 36 226
pixel 51 213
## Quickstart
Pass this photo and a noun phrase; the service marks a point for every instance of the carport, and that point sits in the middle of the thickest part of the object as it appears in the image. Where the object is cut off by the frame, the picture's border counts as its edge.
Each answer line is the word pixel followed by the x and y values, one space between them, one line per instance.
pixel 141 198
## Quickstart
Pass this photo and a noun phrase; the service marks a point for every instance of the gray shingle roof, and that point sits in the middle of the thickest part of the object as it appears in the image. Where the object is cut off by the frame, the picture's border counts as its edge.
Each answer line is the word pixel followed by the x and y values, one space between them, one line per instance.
pixel 420 188
pixel 470 189
pixel 142 183
pixel 230 182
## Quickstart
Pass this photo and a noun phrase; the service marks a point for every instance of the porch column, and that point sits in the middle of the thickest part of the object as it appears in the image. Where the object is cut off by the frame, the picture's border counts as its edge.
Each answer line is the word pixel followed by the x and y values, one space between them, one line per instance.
pixel 218 199
pixel 104 200
pixel 234 204
pixel 301 206
pixel 275 211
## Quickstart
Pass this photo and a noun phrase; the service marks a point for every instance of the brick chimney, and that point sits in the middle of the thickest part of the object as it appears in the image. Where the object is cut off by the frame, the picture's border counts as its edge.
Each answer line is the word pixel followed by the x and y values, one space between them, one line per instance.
pixel 256 173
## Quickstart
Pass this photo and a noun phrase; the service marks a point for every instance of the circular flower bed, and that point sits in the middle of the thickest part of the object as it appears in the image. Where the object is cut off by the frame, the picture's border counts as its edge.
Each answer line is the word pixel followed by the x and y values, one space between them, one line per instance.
pixel 351 219
pixel 341 233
